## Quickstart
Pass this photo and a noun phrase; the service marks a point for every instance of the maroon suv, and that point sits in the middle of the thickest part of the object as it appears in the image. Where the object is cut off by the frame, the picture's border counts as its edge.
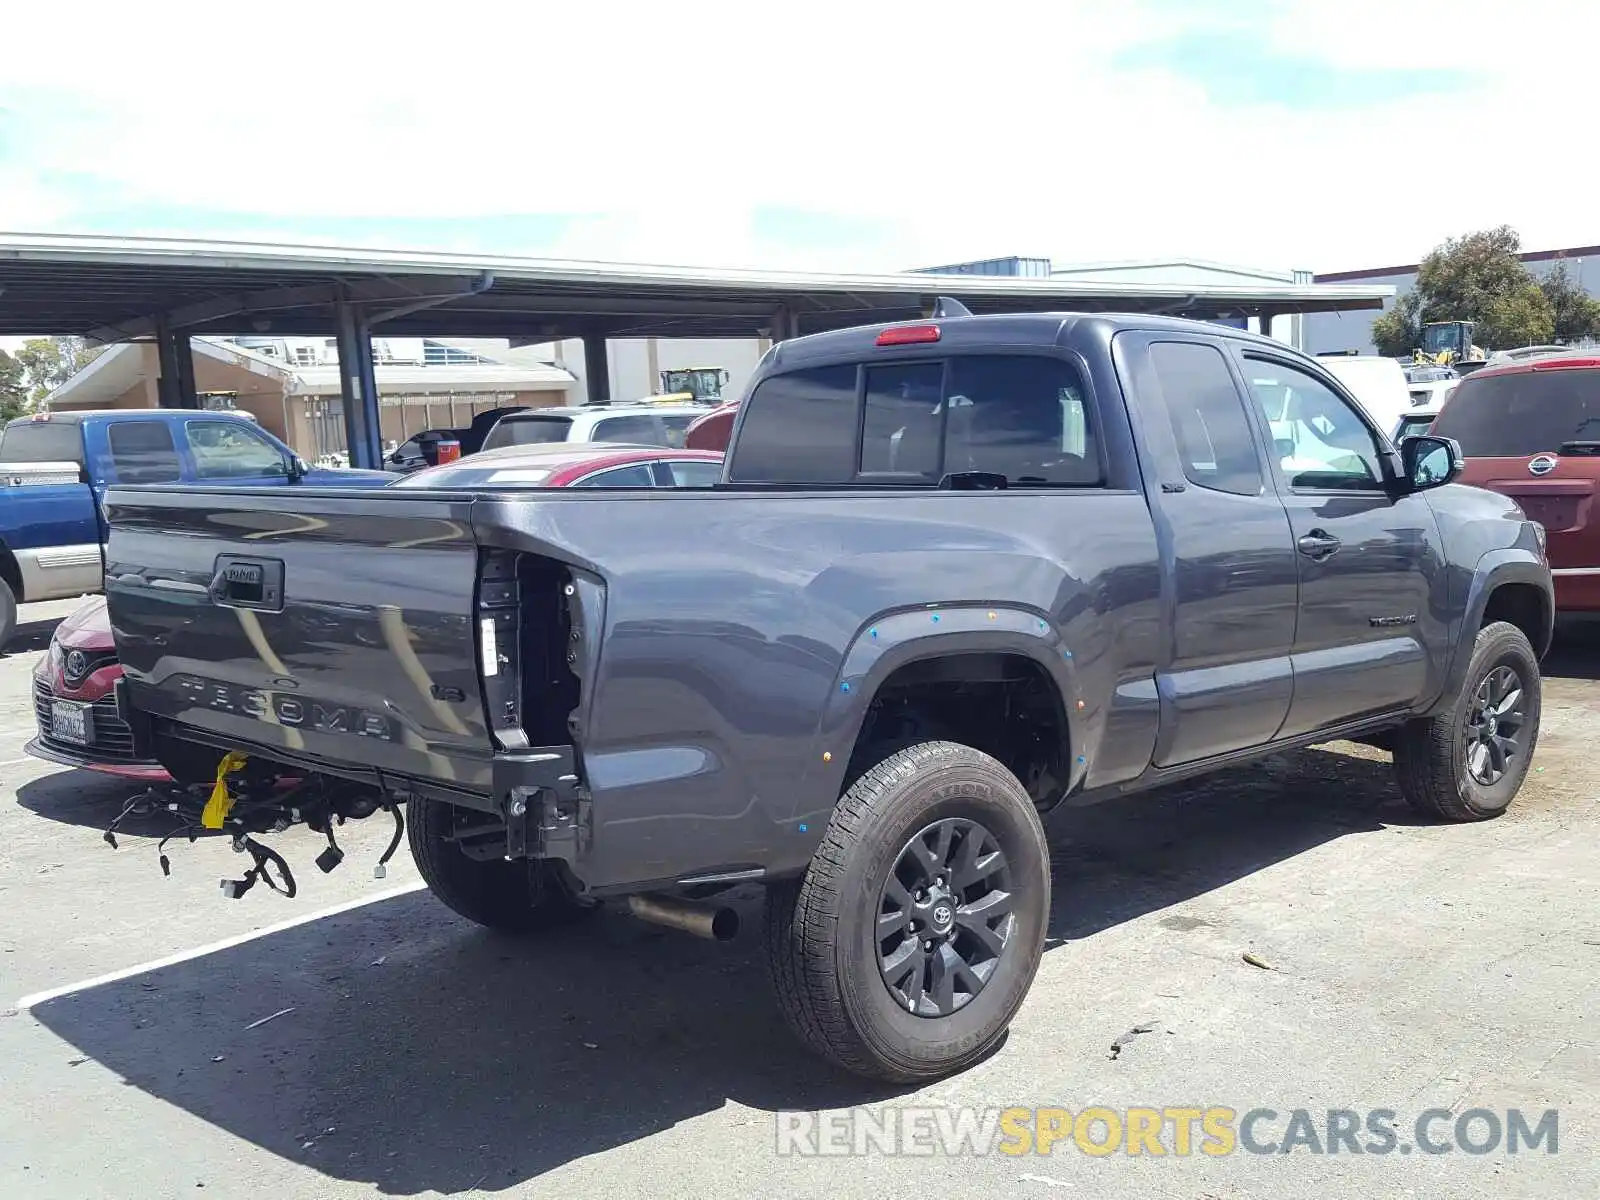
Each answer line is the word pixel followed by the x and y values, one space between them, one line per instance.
pixel 1531 431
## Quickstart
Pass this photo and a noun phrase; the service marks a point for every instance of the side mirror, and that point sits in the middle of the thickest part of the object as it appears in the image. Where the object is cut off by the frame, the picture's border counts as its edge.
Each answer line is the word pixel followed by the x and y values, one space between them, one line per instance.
pixel 298 467
pixel 1429 461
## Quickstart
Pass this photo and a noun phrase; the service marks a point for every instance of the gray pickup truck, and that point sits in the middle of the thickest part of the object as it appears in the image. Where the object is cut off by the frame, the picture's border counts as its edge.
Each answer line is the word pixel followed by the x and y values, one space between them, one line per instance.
pixel 956 573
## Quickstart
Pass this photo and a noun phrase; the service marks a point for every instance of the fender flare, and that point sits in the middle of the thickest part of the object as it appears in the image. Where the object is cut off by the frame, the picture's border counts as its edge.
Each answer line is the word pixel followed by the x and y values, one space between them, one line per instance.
pixel 1497 567
pixel 892 640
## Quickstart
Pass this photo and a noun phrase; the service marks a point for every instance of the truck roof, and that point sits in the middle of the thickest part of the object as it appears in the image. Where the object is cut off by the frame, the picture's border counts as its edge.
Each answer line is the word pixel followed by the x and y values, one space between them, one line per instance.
pixel 76 416
pixel 988 330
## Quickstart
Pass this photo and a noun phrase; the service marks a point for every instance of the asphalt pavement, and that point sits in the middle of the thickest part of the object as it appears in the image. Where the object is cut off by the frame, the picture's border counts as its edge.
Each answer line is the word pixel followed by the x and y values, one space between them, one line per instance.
pixel 1277 938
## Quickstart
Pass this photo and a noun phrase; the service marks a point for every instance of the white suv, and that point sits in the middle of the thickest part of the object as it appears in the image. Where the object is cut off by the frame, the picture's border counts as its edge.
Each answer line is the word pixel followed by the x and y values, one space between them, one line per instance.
pixel 629 424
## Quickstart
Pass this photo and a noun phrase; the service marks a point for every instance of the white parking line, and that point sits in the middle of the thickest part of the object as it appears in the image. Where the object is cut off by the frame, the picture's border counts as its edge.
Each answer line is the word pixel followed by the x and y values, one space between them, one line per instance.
pixel 45 997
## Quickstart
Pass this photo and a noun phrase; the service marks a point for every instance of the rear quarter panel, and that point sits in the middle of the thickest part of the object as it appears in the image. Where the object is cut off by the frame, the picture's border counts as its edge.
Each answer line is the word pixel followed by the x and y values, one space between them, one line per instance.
pixel 737 646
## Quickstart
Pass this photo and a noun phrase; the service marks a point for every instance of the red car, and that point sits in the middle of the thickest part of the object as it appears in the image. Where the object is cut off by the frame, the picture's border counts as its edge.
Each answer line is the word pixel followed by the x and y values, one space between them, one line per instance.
pixel 73 686
pixel 574 464
pixel 75 702
pixel 1530 430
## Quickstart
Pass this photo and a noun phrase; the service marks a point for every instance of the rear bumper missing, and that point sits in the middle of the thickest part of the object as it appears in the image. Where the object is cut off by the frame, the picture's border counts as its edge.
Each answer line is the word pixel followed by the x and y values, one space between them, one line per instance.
pixel 537 792
pixel 545 806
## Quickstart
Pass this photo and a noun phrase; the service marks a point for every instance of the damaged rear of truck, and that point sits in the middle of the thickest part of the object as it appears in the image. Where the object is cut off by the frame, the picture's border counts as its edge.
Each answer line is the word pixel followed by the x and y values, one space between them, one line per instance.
pixel 956 572
pixel 576 695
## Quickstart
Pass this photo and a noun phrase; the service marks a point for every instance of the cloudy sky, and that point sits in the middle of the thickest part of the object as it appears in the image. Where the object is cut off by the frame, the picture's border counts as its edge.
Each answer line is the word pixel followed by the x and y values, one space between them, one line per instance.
pixel 1324 134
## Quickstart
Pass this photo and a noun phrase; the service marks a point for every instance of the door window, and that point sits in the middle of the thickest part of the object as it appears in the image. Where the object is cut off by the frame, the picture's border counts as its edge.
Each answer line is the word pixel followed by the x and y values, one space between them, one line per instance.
pixel 143 451
pixel 695 474
pixel 636 475
pixel 1209 420
pixel 1319 437
pixel 232 450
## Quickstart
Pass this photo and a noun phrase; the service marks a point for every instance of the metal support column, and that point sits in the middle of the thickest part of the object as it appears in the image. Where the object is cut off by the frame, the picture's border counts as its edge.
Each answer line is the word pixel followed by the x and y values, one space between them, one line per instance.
pixel 596 368
pixel 175 356
pixel 184 347
pixel 359 386
pixel 785 324
pixel 1266 316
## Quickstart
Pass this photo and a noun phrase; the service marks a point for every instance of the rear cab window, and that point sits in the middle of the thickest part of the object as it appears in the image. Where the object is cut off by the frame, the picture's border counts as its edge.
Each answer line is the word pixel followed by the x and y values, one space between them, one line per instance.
pixel 1544 411
pixel 914 423
pixel 43 442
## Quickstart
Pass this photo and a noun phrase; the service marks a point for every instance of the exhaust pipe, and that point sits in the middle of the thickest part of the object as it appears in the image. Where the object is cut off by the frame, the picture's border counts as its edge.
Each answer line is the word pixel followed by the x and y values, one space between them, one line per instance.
pixel 714 922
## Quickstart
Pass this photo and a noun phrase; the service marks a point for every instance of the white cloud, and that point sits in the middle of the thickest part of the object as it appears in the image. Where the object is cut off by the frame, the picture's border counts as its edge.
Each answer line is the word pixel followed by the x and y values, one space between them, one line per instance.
pixel 959 130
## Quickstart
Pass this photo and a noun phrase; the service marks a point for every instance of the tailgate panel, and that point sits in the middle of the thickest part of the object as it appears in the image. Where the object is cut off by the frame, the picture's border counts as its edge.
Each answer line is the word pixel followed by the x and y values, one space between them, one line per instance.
pixel 365 653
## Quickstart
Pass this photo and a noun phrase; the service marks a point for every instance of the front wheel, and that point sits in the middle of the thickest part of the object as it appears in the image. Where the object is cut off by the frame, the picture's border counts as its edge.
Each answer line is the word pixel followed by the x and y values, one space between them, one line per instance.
pixel 522 896
pixel 912 939
pixel 1467 763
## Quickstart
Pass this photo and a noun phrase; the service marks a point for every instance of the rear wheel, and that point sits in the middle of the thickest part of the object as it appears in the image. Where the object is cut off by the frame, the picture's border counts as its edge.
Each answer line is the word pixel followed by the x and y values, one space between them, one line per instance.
pixel 912 939
pixel 1467 763
pixel 523 896
pixel 8 614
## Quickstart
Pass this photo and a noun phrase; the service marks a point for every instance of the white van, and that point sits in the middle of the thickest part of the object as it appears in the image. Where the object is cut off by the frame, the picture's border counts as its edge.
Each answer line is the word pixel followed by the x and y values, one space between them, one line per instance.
pixel 1379 384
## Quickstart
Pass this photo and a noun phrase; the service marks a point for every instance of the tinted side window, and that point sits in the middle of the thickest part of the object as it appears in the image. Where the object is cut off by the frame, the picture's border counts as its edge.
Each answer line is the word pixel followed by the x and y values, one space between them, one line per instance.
pixel 1021 416
pixel 900 434
pixel 637 475
pixel 695 474
pixel 1318 436
pixel 143 451
pixel 799 428
pixel 1208 418
pixel 638 431
pixel 43 441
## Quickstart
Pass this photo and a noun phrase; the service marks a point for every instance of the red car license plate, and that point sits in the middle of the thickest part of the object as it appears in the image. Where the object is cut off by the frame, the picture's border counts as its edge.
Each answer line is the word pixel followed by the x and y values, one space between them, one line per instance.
pixel 71 722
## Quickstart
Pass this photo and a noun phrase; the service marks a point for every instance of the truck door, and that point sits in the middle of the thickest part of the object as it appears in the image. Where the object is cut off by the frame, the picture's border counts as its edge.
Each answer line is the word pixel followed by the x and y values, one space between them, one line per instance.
pixel 231 451
pixel 1228 561
pixel 1371 570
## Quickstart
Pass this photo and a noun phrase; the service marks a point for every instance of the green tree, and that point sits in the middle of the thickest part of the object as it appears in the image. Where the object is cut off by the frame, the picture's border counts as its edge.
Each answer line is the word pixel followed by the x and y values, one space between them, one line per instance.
pixel 13 388
pixel 48 362
pixel 1473 278
pixel 1398 332
pixel 1577 314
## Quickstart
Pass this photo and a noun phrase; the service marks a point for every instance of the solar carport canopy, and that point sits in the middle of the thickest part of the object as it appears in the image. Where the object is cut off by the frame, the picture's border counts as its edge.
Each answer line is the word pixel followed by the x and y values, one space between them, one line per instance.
pixel 119 289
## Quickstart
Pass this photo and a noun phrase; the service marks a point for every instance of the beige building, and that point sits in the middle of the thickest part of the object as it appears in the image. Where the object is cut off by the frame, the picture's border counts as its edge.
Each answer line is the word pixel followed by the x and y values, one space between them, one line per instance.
pixel 291 385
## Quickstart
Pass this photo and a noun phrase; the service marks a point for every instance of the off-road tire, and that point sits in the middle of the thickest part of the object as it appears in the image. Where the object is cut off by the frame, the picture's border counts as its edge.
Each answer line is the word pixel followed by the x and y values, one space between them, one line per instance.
pixel 822 952
pixel 1430 753
pixel 526 896
pixel 8 614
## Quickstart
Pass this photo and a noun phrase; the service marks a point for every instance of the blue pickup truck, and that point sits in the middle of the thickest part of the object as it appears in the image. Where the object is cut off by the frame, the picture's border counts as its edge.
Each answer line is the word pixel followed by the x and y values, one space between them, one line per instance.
pixel 55 468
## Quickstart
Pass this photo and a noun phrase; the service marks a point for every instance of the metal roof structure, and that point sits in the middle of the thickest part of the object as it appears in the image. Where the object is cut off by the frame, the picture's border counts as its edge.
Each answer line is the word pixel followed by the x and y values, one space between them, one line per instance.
pixel 121 289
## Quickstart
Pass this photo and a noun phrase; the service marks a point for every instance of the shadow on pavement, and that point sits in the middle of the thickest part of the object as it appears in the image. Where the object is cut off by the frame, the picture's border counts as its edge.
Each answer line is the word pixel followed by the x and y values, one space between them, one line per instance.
pixel 30 636
pixel 425 1054
pixel 92 800
pixel 1575 651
